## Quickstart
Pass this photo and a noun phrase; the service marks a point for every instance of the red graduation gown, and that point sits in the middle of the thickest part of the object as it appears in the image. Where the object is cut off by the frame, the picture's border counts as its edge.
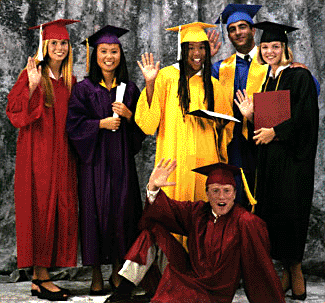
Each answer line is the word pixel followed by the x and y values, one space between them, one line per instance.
pixel 220 253
pixel 45 178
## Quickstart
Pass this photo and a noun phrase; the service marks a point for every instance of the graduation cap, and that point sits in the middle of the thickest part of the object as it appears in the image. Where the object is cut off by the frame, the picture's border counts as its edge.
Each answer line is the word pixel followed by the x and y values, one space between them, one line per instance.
pixel 108 34
pixel 237 12
pixel 191 32
pixel 223 174
pixel 275 32
pixel 52 30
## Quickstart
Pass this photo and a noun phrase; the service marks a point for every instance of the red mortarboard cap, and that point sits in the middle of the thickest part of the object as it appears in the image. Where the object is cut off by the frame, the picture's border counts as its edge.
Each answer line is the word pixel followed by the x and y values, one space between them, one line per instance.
pixel 55 29
pixel 221 173
pixel 108 34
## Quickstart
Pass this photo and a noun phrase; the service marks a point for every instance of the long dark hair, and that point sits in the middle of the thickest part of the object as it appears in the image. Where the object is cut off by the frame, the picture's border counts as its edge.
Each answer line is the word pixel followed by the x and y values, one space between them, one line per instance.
pixel 183 86
pixel 95 72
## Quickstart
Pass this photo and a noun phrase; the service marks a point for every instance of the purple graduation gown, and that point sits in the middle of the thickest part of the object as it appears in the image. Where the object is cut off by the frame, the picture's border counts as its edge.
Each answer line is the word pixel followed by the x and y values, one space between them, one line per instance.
pixel 110 201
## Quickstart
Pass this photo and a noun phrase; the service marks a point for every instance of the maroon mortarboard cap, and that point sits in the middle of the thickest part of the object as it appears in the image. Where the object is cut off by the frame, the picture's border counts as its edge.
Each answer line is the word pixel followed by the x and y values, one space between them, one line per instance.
pixel 108 34
pixel 55 29
pixel 220 173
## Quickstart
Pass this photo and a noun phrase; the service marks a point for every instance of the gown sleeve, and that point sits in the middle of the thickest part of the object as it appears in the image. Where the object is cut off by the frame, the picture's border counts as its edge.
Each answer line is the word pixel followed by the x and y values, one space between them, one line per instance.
pixel 22 110
pixel 300 132
pixel 215 69
pixel 148 118
pixel 134 131
pixel 175 216
pixel 261 281
pixel 82 128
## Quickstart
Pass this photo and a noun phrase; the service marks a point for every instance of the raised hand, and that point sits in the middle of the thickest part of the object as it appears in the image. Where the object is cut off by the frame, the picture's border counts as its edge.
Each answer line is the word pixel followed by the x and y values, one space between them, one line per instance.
pixel 148 67
pixel 213 37
pixel 245 104
pixel 160 174
pixel 34 74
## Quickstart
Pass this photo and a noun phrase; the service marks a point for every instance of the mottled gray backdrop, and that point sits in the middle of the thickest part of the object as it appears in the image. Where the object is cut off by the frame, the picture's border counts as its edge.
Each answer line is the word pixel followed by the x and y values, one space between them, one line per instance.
pixel 146 21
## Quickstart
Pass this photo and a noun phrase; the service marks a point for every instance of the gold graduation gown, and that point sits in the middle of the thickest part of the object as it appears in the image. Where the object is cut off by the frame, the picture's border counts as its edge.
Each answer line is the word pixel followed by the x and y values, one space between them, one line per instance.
pixel 191 141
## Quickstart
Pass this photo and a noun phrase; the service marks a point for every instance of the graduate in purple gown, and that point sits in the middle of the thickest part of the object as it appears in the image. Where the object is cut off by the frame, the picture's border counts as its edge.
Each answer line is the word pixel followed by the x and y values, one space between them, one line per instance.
pixel 101 127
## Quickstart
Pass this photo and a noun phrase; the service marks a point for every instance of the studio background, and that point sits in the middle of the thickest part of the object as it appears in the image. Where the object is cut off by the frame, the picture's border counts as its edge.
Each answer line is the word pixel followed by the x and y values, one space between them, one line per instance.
pixel 147 21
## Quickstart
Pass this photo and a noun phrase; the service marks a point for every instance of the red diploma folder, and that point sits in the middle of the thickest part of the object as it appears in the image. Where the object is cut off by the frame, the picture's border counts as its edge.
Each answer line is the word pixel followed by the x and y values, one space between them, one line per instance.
pixel 271 108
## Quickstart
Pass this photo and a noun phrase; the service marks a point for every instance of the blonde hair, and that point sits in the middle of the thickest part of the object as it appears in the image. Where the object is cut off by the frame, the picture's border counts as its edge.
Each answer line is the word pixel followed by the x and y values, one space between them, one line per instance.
pixel 283 61
pixel 66 70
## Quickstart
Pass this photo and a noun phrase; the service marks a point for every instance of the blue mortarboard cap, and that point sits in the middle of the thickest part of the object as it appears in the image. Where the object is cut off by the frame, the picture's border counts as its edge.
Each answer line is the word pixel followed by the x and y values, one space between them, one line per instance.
pixel 108 34
pixel 238 12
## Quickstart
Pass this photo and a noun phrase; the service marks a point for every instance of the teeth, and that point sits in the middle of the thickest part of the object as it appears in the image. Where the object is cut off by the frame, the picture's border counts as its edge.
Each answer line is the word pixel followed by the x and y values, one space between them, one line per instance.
pixel 108 63
pixel 197 60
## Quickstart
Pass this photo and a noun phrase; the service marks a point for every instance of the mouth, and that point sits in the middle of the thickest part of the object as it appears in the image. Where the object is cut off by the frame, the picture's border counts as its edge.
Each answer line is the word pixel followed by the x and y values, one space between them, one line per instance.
pixel 222 204
pixel 108 63
pixel 59 54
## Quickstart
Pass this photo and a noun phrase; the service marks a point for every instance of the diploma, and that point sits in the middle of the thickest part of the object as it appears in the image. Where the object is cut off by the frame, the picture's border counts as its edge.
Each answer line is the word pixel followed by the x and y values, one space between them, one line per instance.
pixel 211 115
pixel 120 90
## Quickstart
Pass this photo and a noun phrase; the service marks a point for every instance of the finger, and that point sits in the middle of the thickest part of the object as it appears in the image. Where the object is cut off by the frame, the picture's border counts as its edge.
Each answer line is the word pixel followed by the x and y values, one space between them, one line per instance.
pixel 147 58
pixel 245 93
pixel 160 162
pixel 157 65
pixel 143 58
pixel 166 163
pixel 170 184
pixel 140 65
pixel 151 59
pixel 241 96
pixel 237 103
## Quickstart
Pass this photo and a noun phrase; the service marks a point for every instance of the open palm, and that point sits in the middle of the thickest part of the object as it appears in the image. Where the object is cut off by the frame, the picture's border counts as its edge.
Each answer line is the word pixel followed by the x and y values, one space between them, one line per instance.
pixel 245 104
pixel 34 73
pixel 161 173
pixel 148 68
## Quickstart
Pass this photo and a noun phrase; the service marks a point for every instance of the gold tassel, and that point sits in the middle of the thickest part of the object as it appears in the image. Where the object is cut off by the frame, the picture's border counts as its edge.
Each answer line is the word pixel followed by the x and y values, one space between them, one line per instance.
pixel 251 199
pixel 87 45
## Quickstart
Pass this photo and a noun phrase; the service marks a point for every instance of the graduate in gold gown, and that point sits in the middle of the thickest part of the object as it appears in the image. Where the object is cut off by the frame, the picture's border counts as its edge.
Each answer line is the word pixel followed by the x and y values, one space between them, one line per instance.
pixel 170 94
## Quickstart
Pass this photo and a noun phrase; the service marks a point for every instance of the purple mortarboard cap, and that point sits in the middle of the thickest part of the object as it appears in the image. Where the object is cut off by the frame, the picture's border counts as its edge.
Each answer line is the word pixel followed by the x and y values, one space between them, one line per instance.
pixel 238 12
pixel 108 34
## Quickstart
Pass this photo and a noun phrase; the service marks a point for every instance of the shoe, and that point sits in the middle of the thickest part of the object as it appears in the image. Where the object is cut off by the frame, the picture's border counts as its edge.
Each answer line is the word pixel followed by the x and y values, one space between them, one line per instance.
pixel 301 297
pixel 100 292
pixel 34 292
pixel 47 294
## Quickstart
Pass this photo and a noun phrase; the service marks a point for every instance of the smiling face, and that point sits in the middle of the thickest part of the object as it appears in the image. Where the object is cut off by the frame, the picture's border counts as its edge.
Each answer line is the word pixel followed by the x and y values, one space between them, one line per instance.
pixel 272 53
pixel 241 36
pixel 196 56
pixel 58 49
pixel 221 197
pixel 108 57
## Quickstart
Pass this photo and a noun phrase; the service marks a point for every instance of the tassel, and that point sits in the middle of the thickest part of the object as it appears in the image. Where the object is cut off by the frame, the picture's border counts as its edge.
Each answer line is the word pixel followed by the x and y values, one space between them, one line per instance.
pixel 40 46
pixel 179 49
pixel 87 62
pixel 251 199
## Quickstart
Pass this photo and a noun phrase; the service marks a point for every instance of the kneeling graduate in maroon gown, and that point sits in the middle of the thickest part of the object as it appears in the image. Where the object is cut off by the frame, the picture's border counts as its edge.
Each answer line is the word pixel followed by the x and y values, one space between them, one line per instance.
pixel 225 243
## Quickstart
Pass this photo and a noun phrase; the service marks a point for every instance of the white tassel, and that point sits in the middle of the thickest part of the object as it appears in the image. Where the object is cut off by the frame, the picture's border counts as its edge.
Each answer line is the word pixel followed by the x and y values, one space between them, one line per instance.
pixel 40 46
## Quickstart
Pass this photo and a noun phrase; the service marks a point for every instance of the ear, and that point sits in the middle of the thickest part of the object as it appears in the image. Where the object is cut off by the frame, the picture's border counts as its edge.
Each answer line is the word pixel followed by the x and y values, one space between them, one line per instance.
pixel 253 31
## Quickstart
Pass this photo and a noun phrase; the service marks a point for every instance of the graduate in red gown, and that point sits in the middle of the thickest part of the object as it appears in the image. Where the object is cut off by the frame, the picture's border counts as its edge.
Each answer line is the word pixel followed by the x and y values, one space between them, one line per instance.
pixel 225 243
pixel 102 129
pixel 45 177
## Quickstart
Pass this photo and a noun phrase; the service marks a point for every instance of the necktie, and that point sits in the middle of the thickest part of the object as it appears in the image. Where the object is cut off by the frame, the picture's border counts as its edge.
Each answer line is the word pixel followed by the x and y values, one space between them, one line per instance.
pixel 247 58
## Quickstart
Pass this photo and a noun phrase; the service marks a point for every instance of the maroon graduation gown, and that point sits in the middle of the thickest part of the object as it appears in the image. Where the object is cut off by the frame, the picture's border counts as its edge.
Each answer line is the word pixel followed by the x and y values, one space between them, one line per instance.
pixel 45 178
pixel 110 201
pixel 220 252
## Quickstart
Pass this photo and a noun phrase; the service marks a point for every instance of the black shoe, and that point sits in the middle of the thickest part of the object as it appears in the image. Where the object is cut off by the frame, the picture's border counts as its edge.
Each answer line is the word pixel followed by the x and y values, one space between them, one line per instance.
pixel 47 294
pixel 34 292
pixel 100 292
pixel 118 297
pixel 301 297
